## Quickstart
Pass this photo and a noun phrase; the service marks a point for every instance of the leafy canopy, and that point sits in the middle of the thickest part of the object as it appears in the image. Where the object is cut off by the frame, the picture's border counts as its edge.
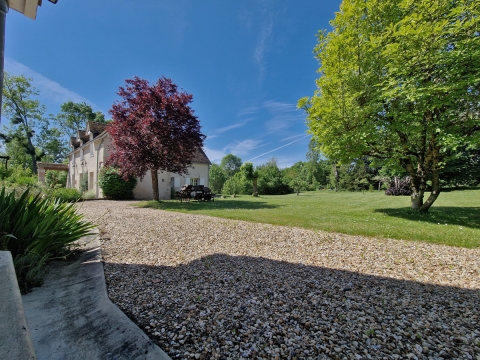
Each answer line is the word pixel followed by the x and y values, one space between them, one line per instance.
pixel 154 128
pixel 231 164
pixel 400 81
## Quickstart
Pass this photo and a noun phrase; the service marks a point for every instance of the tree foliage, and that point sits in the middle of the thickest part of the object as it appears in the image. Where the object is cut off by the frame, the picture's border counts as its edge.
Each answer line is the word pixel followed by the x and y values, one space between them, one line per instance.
pixel 154 128
pixel 400 80
pixel 74 116
pixel 31 137
pixel 231 165
pixel 237 184
pixel 217 178
pixel 250 174
pixel 271 180
pixel 24 112
pixel 115 186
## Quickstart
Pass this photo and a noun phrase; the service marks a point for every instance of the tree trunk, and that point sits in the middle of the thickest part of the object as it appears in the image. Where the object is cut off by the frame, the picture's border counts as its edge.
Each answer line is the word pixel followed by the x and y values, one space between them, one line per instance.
pixel 435 182
pixel 255 190
pixel 155 184
pixel 417 199
pixel 31 152
pixel 335 174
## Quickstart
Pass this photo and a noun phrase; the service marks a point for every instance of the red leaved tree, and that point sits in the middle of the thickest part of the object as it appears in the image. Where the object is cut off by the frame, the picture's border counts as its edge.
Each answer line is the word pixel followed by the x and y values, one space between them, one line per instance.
pixel 153 129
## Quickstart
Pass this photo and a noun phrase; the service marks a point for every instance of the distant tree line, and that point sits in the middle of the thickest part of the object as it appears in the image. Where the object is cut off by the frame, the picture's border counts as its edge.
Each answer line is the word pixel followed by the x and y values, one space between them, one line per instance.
pixel 320 173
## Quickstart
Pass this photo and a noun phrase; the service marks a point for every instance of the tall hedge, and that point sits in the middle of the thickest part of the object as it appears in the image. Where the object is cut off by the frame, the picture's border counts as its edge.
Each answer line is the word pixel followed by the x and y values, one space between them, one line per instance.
pixel 114 186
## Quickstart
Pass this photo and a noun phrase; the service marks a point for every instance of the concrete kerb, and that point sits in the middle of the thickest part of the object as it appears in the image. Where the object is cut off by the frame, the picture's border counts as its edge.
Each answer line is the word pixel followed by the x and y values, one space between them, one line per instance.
pixel 15 341
pixel 71 316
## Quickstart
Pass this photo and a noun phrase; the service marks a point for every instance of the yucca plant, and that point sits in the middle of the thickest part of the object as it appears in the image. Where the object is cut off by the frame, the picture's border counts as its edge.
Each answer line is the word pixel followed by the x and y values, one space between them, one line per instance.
pixel 35 229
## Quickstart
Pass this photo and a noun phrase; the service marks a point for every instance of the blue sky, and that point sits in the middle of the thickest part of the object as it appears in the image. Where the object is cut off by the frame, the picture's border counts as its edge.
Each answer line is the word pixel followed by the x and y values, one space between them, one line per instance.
pixel 245 62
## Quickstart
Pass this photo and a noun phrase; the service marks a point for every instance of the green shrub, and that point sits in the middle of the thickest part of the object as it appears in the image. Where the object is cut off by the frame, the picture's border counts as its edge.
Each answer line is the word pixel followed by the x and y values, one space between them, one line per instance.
pixel 19 177
pixel 65 195
pixel 84 184
pixel 114 186
pixel 30 269
pixel 90 194
pixel 56 178
pixel 35 229
pixel 4 171
pixel 237 185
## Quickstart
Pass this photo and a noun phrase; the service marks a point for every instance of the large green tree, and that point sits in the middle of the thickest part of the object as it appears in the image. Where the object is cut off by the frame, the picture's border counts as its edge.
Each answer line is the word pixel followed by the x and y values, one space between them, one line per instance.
pixel 250 174
pixel 25 114
pixel 74 116
pixel 400 81
pixel 231 164
pixel 271 180
pixel 217 178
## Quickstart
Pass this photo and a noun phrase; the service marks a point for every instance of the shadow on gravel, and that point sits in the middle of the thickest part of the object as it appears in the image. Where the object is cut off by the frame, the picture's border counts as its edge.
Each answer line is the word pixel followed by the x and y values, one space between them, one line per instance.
pixel 462 216
pixel 222 306
pixel 218 204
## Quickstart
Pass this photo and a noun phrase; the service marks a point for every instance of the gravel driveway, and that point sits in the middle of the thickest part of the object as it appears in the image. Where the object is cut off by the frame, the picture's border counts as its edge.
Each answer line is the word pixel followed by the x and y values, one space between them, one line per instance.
pixel 211 288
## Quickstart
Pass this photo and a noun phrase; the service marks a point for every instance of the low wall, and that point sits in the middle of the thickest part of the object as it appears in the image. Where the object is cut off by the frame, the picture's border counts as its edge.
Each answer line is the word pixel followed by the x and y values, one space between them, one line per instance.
pixel 15 341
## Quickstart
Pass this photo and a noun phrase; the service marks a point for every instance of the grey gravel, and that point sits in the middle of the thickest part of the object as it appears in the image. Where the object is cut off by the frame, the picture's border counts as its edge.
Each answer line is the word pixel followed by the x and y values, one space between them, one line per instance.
pixel 211 288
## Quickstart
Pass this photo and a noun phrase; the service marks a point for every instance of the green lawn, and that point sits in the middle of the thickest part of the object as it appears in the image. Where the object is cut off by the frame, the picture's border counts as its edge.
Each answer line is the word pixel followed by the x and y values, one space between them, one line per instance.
pixel 454 218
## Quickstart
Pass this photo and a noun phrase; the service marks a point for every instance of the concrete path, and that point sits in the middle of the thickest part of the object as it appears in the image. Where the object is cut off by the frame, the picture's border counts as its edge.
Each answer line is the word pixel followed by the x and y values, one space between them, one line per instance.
pixel 71 317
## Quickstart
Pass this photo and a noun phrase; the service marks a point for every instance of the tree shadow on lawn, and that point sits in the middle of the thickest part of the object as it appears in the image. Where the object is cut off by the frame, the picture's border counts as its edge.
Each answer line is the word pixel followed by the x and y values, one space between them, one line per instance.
pixel 247 306
pixel 462 216
pixel 222 204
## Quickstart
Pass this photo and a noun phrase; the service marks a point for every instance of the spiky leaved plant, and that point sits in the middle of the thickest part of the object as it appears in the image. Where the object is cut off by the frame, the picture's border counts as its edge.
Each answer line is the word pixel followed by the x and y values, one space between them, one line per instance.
pixel 36 229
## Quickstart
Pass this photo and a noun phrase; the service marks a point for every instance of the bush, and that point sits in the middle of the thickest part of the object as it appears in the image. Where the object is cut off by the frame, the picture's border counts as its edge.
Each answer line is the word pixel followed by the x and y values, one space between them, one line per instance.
pixel 237 185
pixel 399 187
pixel 65 195
pixel 19 177
pixel 114 186
pixel 90 194
pixel 30 269
pixel 35 229
pixel 56 178
pixel 84 184
pixel 4 172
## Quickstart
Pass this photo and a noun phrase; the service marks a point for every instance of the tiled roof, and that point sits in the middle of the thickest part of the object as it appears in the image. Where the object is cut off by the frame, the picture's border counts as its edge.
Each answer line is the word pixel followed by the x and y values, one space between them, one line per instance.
pixel 96 128
pixel 74 142
pixel 200 157
pixel 83 136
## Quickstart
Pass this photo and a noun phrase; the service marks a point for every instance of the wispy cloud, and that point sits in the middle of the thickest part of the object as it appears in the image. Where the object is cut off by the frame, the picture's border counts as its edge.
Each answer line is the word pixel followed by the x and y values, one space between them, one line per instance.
pixel 261 46
pixel 215 156
pixel 244 147
pixel 282 116
pixel 249 111
pixel 233 126
pixel 50 89
pixel 278 148
pixel 293 137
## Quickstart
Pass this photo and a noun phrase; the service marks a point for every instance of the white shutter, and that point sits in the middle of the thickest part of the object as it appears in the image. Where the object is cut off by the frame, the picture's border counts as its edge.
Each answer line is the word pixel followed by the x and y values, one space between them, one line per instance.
pixel 176 182
pixel 187 181
pixel 202 181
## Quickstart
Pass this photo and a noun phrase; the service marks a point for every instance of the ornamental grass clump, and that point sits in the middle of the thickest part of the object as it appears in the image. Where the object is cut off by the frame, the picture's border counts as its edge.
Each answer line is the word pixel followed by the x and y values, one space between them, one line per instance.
pixel 36 229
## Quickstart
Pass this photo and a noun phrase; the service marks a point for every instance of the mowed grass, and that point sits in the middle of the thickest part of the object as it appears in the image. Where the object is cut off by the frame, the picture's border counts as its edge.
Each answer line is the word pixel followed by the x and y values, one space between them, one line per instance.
pixel 454 219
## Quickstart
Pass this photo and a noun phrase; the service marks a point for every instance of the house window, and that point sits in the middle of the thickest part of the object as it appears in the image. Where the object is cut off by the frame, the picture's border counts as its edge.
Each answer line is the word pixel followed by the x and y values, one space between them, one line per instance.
pixel 194 181
pixel 81 154
pixel 91 149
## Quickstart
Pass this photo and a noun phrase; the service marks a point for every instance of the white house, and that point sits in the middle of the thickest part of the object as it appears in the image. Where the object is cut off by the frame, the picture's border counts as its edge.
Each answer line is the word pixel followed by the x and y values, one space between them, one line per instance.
pixel 91 148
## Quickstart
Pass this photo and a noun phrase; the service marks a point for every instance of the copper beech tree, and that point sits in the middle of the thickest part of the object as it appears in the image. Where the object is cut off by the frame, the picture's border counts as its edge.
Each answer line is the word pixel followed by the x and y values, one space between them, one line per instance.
pixel 153 128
